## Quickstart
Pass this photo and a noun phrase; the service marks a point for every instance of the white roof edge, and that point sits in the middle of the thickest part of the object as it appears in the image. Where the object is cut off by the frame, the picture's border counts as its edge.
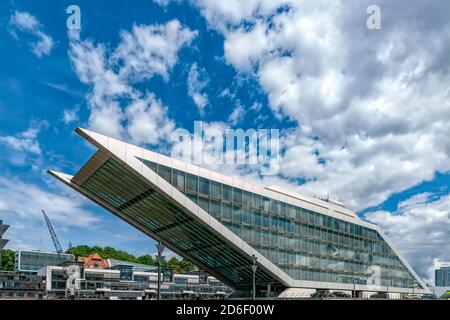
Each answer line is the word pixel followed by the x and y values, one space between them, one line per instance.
pixel 312 200
pixel 103 141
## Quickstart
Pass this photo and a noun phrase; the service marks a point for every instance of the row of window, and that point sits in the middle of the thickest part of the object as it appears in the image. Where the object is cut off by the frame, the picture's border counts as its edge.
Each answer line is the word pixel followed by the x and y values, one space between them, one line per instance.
pixel 203 191
pixel 319 275
pixel 261 221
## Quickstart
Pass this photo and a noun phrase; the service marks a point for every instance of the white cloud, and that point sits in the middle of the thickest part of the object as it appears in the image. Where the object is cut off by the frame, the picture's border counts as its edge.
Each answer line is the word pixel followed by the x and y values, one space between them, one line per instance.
pixel 373 103
pixel 148 121
pixel 25 201
pixel 420 229
pixel 237 115
pixel 21 203
pixel 117 107
pixel 28 23
pixel 150 49
pixel 70 115
pixel 25 141
pixel 196 84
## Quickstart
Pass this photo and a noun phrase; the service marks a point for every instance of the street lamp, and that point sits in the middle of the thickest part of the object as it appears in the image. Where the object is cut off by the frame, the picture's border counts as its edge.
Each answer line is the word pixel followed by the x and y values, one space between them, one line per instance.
pixel 414 283
pixel 160 259
pixel 354 278
pixel 254 267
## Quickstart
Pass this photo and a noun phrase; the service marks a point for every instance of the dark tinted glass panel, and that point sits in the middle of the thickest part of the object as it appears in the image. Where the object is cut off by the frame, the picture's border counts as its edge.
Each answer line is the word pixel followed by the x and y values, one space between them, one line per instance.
pixel 191 182
pixel 204 186
pixel 237 195
pixel 165 172
pixel 178 179
pixel 237 214
pixel 216 190
pixel 227 193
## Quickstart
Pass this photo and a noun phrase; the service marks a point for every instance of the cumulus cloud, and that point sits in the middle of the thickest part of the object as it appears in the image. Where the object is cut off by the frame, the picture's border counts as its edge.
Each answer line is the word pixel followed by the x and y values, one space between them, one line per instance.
pixel 26 200
pixel 25 141
pixel 237 115
pixel 70 115
pixel 150 49
pixel 148 121
pixel 21 203
pixel 117 107
pixel 420 229
pixel 372 103
pixel 27 23
pixel 196 84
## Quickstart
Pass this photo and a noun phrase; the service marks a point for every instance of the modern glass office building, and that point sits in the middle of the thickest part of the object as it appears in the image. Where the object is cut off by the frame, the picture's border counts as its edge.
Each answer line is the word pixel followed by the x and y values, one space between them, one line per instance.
pixel 32 261
pixel 442 277
pixel 3 242
pixel 219 223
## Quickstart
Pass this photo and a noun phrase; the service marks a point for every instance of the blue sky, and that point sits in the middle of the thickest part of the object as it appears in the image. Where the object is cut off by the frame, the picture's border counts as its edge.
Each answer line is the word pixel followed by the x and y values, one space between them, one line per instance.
pixel 364 114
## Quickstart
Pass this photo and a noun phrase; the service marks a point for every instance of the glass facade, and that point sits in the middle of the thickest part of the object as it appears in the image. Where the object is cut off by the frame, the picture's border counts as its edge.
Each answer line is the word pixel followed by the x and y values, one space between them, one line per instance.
pixel 442 277
pixel 156 215
pixel 307 245
pixel 32 261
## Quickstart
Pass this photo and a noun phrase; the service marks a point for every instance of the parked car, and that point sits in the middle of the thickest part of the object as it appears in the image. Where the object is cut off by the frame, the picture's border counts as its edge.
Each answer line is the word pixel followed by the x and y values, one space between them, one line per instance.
pixel 412 296
pixel 340 294
pixel 429 296
pixel 380 295
pixel 321 294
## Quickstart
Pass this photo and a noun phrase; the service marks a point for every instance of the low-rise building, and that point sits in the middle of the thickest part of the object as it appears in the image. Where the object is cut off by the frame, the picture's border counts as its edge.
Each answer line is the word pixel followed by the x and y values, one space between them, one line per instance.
pixel 33 260
pixel 124 281
pixel 14 285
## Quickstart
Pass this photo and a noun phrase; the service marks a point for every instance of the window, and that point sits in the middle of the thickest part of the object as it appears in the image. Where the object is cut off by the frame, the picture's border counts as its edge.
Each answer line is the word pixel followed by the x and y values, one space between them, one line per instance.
pixel 215 208
pixel 237 195
pixel 247 216
pixel 237 214
pixel 204 203
pixel 256 218
pixel 257 203
pixel 265 204
pixel 178 179
pixel 227 193
pixel 265 221
pixel 215 189
pixel 275 206
pixel 165 173
pixel 191 182
pixel 193 196
pixel 204 186
pixel 247 198
pixel 227 211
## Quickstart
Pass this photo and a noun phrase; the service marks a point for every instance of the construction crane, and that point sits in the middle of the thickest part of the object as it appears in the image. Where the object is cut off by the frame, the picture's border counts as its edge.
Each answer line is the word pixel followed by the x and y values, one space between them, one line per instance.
pixel 70 273
pixel 55 240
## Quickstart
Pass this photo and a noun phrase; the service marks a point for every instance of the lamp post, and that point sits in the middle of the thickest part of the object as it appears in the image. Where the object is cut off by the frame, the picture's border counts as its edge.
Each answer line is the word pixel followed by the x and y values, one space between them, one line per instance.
pixel 254 267
pixel 160 259
pixel 354 278
pixel 413 286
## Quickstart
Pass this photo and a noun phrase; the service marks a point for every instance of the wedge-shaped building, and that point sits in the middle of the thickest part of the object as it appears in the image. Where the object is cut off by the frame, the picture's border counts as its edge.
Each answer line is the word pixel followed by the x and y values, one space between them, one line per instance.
pixel 219 223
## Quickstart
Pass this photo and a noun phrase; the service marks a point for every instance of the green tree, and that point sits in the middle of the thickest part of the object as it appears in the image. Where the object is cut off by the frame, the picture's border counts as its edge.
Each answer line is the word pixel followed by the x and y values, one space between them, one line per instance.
pixel 147 259
pixel 187 266
pixel 7 260
pixel 79 251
